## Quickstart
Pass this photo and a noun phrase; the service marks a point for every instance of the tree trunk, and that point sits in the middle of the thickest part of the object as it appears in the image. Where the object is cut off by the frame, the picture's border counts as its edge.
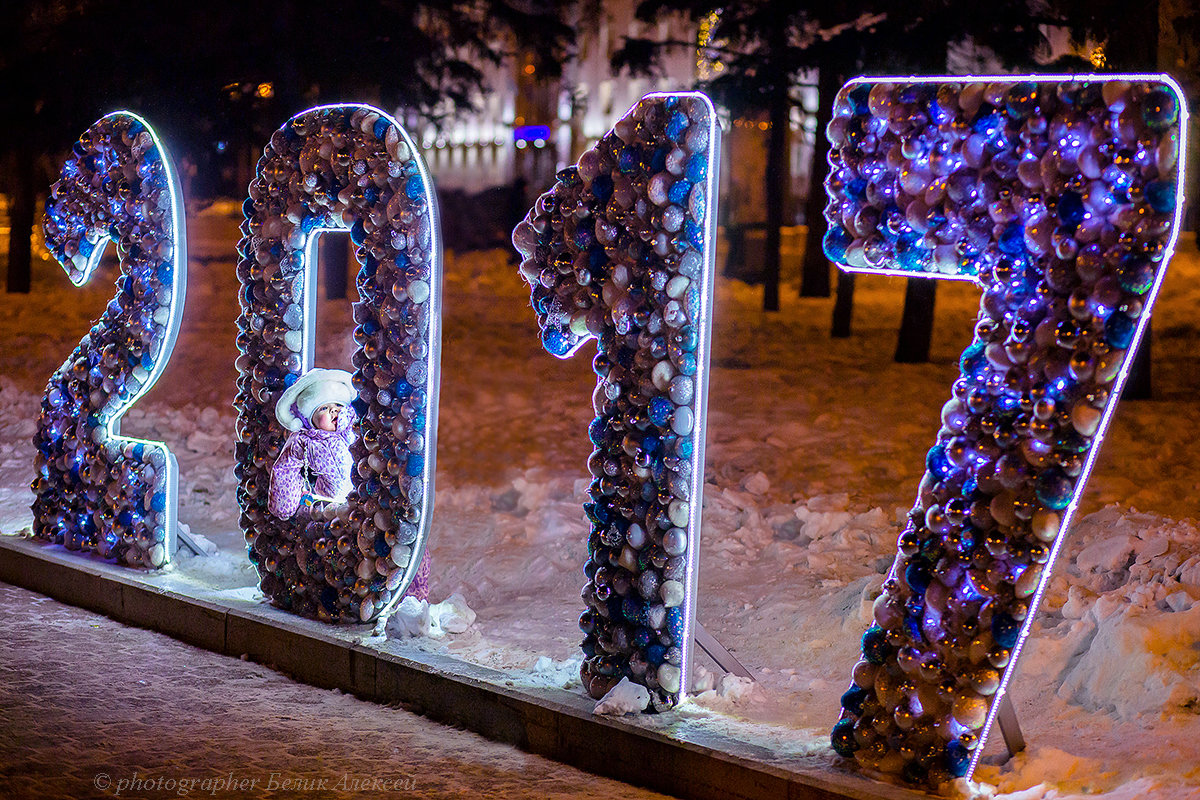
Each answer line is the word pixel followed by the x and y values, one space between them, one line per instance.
pixel 335 260
pixel 21 210
pixel 814 274
pixel 1138 386
pixel 916 324
pixel 779 177
pixel 843 306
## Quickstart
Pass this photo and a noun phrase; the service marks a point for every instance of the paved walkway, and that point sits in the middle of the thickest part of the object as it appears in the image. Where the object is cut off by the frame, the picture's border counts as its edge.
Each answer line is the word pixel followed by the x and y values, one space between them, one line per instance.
pixel 93 708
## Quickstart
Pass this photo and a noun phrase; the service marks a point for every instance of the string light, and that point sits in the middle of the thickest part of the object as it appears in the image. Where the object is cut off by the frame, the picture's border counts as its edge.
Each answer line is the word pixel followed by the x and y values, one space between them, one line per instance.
pixel 707 67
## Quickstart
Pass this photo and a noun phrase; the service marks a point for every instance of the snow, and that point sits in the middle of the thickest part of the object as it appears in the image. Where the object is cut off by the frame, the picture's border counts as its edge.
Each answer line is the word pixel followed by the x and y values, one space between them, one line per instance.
pixel 92 707
pixel 415 617
pixel 626 697
pixel 815 449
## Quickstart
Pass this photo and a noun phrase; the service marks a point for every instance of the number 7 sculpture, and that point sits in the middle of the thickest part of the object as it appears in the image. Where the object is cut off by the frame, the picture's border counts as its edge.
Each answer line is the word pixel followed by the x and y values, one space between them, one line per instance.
pixel 1061 197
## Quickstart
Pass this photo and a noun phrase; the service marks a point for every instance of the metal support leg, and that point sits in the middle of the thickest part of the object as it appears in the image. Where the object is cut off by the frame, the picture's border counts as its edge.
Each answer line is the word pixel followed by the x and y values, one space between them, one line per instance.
pixel 717 652
pixel 185 540
pixel 1010 728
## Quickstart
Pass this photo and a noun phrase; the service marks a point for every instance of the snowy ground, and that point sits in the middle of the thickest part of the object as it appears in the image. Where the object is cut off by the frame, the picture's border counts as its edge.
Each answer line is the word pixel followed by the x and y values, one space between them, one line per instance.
pixel 815 450
pixel 94 708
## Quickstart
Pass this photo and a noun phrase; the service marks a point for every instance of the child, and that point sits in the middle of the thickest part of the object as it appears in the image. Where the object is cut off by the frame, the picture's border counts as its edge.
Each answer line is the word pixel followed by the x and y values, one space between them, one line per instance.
pixel 315 460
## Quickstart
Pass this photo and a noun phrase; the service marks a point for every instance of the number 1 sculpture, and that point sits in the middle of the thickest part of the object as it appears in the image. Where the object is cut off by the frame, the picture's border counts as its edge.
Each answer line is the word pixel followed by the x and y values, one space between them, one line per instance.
pixel 621 250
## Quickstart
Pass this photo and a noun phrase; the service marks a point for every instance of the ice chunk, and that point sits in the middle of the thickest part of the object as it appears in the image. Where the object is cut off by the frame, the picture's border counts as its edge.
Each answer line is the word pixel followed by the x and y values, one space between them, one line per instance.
pixel 758 483
pixel 453 615
pixel 626 697
pixel 411 618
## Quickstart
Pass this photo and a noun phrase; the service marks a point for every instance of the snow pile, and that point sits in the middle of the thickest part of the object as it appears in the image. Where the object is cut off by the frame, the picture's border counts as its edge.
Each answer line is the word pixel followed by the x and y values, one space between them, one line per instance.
pixel 624 698
pixel 731 694
pixel 1048 773
pixel 550 674
pixel 1123 659
pixel 415 617
pixel 1126 639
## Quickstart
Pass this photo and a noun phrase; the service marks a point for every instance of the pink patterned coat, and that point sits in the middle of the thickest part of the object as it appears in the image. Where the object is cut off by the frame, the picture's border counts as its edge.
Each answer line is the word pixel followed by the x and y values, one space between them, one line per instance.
pixel 326 456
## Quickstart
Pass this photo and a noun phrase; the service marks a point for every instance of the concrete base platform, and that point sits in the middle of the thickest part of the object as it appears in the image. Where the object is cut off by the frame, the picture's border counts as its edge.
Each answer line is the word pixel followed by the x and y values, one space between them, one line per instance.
pixel 647 751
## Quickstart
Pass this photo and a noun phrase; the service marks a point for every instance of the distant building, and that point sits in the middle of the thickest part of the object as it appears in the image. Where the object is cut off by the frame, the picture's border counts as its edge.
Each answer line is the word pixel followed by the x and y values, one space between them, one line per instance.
pixel 530 128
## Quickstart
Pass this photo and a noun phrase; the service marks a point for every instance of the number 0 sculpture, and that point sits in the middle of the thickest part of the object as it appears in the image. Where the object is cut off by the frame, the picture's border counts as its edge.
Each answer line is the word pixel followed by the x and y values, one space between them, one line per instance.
pixel 331 168
pixel 1060 197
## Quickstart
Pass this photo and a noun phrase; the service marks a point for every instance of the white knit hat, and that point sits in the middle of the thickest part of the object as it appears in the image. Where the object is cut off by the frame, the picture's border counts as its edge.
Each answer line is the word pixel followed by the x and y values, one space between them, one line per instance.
pixel 312 390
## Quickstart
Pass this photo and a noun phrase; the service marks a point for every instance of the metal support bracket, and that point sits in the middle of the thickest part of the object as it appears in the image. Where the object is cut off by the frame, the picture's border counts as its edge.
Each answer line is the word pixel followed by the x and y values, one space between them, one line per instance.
pixel 718 653
pixel 183 539
pixel 1010 727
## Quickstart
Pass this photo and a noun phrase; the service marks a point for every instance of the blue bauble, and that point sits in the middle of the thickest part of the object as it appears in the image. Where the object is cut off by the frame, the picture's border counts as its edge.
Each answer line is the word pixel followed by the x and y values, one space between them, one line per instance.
pixel 1161 196
pixel 677 126
pixel 973 360
pixel 415 465
pixel 835 243
pixel 414 187
pixel 628 159
pixel 1054 489
pixel 1160 109
pixel 875 647
pixel 1070 208
pixel 958 759
pixel 842 738
pixel 1136 274
pixel 1012 240
pixel 678 193
pixel 1021 100
pixel 916 575
pixel 1119 329
pixel 556 340
pixel 853 699
pixel 660 410
pixel 858 98
pixel 602 187
pixel 910 255
pixel 938 463
pixel 675 623
pixel 1005 630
